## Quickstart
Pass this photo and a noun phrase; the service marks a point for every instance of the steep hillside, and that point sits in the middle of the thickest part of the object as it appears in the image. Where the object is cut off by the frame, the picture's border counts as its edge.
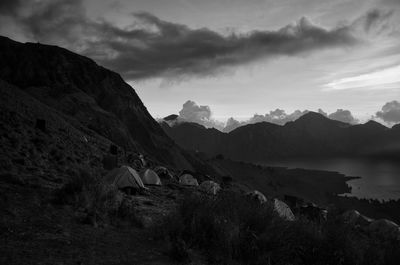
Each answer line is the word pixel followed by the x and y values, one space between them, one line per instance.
pixel 97 98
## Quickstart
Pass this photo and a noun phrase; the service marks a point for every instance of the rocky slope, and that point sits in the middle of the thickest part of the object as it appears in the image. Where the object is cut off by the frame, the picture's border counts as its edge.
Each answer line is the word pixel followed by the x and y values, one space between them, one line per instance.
pixel 94 97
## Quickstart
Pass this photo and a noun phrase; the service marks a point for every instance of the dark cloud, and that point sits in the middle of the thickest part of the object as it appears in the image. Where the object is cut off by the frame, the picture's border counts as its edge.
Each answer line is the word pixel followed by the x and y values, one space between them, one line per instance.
pixel 391 2
pixel 153 47
pixel 9 7
pixel 343 116
pixel 390 112
pixel 375 21
pixel 375 18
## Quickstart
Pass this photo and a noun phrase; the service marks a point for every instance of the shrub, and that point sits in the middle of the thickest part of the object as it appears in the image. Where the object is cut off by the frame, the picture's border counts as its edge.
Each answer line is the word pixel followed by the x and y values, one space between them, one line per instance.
pixel 100 201
pixel 230 229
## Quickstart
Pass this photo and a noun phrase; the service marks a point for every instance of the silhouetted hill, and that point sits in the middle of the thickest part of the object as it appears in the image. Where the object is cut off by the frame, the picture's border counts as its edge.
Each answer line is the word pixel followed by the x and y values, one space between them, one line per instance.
pixel 311 135
pixel 171 117
pixel 316 121
pixel 95 97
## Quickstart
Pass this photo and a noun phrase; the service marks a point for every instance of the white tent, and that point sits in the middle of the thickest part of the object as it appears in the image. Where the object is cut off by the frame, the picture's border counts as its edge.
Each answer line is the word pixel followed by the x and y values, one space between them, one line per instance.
pixel 124 177
pixel 149 177
pixel 385 228
pixel 355 218
pixel 210 187
pixel 283 210
pixel 189 180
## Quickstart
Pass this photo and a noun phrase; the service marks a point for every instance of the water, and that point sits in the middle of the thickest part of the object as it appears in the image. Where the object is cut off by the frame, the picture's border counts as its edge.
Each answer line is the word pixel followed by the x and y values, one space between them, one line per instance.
pixel 380 179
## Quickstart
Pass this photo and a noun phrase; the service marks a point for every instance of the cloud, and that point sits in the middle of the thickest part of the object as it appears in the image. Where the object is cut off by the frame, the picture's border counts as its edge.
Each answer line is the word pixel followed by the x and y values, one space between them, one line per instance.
pixel 191 112
pixel 385 78
pixel 8 7
pixel 320 111
pixel 232 124
pixel 277 116
pixel 343 116
pixel 152 47
pixel 390 112
pixel 375 20
pixel 391 2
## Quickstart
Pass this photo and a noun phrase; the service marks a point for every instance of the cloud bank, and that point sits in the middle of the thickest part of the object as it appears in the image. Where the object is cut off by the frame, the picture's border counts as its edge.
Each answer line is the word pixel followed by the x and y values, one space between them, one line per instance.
pixel 343 116
pixel 390 112
pixel 152 47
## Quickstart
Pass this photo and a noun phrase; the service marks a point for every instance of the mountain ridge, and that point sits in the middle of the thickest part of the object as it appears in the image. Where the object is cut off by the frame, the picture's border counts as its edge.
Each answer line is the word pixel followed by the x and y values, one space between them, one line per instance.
pixel 313 134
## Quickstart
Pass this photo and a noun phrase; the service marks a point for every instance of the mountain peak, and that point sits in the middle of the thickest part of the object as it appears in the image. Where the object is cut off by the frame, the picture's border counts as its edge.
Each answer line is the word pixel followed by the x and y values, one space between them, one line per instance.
pixel 311 115
pixel 375 124
pixel 317 118
pixel 171 117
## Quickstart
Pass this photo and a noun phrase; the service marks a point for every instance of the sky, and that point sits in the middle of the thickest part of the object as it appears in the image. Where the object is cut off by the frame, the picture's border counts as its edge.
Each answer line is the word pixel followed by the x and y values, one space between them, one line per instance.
pixel 253 60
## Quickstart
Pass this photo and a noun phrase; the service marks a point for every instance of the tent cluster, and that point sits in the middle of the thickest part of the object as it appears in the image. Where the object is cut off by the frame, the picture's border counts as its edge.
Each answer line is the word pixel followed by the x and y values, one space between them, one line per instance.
pixel 129 180
pixel 126 177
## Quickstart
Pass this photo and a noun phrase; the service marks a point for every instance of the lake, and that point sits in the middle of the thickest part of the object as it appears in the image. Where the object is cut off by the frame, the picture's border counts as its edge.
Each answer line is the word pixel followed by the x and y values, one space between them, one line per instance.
pixel 380 179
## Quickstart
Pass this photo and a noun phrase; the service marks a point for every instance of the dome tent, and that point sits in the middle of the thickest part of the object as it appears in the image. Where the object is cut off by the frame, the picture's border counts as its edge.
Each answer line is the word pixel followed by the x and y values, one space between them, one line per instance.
pixel 149 177
pixel 124 177
pixel 385 228
pixel 256 195
pixel 189 180
pixel 210 187
pixel 283 210
pixel 356 218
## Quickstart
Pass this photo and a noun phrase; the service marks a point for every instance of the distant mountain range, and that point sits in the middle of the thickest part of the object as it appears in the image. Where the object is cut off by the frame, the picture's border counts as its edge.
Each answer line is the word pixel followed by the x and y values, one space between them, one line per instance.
pixel 311 135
